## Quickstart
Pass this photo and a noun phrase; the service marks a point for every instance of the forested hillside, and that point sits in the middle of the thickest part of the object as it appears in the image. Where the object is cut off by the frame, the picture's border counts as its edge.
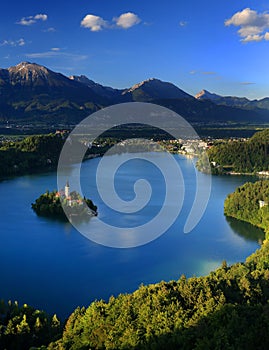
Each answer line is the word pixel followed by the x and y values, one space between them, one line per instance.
pixel 227 309
pixel 32 154
pixel 250 203
pixel 240 156
pixel 23 326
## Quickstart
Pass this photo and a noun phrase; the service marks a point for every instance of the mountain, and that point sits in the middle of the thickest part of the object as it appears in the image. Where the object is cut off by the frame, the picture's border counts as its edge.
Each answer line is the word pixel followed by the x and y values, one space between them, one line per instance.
pixel 33 75
pixel 233 101
pixel 206 95
pixel 145 91
pixel 263 103
pixel 104 91
pixel 33 93
pixel 152 89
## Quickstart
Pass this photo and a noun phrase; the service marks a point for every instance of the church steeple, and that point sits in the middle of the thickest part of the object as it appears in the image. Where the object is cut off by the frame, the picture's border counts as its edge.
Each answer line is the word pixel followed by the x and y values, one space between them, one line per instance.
pixel 67 189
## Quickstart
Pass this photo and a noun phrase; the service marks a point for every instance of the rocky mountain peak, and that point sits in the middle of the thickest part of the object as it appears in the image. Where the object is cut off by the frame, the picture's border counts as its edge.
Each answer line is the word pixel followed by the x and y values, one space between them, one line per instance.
pixel 27 66
pixel 153 88
pixel 27 73
pixel 83 79
pixel 104 91
pixel 204 94
pixel 23 64
pixel 139 85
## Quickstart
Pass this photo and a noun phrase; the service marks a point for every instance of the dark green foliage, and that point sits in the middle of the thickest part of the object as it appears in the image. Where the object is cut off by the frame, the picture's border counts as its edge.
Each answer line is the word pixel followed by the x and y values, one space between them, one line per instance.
pixel 48 204
pixel 243 204
pixel 32 154
pixel 241 156
pixel 23 327
pixel 227 309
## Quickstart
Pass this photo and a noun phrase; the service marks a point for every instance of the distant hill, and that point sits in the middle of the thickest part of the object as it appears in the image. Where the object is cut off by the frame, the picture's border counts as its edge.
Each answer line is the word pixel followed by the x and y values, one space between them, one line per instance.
pixel 233 101
pixel 249 203
pixel 33 93
pixel 249 156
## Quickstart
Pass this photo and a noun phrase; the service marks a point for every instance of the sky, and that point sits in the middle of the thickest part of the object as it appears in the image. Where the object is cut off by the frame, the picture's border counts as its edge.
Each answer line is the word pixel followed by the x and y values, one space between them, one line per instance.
pixel 220 46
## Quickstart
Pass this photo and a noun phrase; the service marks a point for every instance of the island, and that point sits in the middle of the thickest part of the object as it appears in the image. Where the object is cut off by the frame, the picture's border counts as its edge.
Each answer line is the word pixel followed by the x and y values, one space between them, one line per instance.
pixel 250 203
pixel 64 205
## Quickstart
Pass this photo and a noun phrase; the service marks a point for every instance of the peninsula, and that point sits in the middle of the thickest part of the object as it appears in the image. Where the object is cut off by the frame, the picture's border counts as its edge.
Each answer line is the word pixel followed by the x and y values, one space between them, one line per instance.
pixel 250 203
pixel 239 157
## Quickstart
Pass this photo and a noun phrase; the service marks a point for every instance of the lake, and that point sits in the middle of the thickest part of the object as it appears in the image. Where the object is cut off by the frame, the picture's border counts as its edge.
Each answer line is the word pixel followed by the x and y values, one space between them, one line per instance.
pixel 48 264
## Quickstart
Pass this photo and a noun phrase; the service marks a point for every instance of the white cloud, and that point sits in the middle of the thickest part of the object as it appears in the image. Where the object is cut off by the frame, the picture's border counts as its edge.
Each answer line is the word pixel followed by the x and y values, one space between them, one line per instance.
pixel 56 53
pixel 252 37
pixel 21 42
pixel 42 17
pixel 13 43
pixel 244 18
pixel 46 54
pixel 28 21
pixel 55 49
pixel 94 23
pixel 50 30
pixel 252 24
pixel 6 43
pixel 208 73
pixel 249 30
pixel 247 83
pixel 127 20
pixel 97 23
pixel 266 36
pixel 183 23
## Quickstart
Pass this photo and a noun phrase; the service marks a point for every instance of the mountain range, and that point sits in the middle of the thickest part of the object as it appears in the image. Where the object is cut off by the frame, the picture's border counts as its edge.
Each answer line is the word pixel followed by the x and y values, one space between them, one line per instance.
pixel 233 101
pixel 32 93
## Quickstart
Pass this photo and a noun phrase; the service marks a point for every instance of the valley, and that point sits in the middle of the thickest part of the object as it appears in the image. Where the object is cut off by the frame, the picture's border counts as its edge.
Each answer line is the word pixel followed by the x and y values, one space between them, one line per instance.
pixel 134 175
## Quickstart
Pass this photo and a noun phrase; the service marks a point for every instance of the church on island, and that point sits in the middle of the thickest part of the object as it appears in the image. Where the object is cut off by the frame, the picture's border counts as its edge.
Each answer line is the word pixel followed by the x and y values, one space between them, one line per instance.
pixel 71 198
pixel 65 204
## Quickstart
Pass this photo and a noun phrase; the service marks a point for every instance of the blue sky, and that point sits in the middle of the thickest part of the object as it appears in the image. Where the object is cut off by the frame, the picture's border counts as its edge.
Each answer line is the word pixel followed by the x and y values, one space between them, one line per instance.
pixel 221 46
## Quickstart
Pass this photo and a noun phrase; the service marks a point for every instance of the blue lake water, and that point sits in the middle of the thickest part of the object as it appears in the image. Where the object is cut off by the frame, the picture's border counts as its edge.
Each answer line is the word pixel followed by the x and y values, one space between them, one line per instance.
pixel 50 265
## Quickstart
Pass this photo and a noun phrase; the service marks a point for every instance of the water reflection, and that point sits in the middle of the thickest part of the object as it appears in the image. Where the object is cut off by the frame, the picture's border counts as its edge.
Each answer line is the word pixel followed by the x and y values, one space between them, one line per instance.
pixel 246 230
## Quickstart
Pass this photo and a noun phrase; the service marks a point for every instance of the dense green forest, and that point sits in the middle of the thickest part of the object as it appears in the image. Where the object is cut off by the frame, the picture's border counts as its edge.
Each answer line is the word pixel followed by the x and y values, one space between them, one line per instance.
pixel 228 309
pixel 37 153
pixel 41 153
pixel 32 154
pixel 52 204
pixel 240 156
pixel 250 203
pixel 22 327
